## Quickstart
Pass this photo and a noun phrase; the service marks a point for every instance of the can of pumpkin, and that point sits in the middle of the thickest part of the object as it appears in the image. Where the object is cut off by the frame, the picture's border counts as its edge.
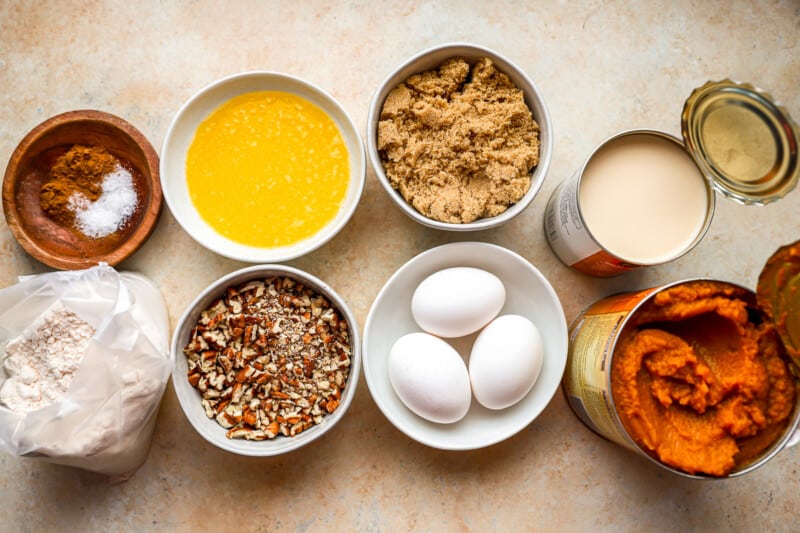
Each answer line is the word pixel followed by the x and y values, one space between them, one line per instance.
pixel 634 378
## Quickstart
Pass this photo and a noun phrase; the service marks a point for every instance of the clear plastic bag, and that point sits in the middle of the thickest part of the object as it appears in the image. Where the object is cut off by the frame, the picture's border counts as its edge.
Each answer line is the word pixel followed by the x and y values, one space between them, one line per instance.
pixel 105 421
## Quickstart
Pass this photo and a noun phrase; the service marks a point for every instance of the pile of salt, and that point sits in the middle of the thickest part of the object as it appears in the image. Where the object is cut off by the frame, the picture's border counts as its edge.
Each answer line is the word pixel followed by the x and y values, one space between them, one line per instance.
pixel 111 210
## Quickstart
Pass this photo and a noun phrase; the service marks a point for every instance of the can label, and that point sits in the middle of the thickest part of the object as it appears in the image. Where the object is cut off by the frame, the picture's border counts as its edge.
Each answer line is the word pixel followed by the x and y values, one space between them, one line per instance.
pixel 569 238
pixel 587 380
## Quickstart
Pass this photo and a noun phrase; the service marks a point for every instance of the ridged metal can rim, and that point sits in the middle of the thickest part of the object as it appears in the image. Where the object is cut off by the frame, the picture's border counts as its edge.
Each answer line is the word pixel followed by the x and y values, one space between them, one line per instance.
pixel 747 176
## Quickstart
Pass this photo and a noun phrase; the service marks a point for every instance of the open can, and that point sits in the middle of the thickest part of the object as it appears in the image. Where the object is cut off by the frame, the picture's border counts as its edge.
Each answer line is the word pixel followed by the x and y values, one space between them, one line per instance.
pixel 638 199
pixel 598 332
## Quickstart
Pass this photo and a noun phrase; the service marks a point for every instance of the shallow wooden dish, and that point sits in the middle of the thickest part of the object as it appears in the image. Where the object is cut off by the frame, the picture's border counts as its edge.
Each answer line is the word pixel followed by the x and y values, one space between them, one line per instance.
pixel 62 247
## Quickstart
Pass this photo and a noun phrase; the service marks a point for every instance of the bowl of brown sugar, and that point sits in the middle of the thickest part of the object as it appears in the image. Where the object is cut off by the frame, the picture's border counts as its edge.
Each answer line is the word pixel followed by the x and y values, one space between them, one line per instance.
pixel 459 137
pixel 82 188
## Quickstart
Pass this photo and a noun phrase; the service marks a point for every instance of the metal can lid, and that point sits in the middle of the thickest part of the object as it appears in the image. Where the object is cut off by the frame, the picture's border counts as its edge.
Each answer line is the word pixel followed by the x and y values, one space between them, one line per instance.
pixel 778 293
pixel 741 140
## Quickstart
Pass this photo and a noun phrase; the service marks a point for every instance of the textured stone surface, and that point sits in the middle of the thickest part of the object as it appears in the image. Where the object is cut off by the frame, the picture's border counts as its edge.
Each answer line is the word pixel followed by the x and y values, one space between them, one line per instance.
pixel 602 67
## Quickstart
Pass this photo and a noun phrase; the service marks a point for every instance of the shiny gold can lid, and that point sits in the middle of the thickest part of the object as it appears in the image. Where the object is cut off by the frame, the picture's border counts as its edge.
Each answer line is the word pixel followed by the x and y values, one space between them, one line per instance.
pixel 741 140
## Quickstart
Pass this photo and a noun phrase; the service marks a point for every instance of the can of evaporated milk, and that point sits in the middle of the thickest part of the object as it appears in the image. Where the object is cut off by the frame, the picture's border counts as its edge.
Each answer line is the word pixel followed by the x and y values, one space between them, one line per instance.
pixel 594 337
pixel 639 200
pixel 644 197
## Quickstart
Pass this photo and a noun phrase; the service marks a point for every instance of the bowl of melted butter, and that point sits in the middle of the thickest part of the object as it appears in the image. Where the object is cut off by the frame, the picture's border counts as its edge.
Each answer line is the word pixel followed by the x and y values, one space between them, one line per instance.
pixel 262 167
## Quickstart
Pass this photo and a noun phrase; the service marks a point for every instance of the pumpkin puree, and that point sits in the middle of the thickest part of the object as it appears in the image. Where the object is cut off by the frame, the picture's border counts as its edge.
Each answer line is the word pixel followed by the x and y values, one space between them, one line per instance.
pixel 779 296
pixel 699 381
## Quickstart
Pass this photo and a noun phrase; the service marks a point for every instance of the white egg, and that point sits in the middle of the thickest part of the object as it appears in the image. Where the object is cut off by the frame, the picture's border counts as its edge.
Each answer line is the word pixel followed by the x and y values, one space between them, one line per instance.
pixel 429 377
pixel 505 361
pixel 457 301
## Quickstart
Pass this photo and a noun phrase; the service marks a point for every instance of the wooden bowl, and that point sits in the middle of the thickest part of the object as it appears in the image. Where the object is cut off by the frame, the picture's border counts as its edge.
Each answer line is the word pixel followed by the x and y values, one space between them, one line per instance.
pixel 63 247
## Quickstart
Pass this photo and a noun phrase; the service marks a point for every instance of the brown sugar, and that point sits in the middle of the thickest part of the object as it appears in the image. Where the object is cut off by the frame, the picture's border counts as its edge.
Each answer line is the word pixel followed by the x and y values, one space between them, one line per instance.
pixel 458 142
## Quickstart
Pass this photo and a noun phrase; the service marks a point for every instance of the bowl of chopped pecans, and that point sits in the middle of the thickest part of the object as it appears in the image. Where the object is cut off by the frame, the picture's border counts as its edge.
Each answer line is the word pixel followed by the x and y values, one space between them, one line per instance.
pixel 267 359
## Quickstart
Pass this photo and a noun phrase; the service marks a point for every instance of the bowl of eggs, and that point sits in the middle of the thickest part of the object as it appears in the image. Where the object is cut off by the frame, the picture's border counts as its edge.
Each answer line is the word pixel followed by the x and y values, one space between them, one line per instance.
pixel 262 167
pixel 459 137
pixel 464 346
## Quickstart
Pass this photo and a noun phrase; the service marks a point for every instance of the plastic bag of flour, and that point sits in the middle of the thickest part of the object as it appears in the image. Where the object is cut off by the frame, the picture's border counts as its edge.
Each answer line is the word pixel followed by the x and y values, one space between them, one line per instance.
pixel 85 359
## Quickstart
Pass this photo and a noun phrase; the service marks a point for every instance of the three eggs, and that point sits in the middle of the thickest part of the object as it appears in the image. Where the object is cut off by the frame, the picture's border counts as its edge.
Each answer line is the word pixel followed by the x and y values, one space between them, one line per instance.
pixel 429 375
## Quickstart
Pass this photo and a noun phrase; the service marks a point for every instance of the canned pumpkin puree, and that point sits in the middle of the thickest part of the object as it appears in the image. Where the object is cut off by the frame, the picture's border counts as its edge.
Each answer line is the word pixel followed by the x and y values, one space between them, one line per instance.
pixel 691 375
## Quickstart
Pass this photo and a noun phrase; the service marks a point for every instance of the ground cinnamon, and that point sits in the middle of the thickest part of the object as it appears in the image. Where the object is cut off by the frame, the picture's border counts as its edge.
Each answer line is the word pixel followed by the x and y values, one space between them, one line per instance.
pixel 81 171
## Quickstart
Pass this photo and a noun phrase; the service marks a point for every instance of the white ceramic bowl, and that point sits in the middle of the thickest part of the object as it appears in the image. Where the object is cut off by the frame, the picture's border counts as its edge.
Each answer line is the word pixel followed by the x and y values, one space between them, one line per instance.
pixel 432 58
pixel 189 398
pixel 528 293
pixel 181 133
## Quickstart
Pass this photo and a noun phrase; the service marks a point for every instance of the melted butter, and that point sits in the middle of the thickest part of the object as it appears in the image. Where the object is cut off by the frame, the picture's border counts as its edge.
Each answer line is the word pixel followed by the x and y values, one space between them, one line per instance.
pixel 267 169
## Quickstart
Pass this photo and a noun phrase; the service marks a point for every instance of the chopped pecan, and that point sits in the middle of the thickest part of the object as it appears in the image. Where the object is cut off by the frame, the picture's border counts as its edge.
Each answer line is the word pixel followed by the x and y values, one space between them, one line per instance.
pixel 269 358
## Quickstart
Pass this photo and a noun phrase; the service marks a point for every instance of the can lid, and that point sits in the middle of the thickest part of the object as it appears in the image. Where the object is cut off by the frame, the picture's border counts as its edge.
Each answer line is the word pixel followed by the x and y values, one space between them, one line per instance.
pixel 742 140
pixel 778 293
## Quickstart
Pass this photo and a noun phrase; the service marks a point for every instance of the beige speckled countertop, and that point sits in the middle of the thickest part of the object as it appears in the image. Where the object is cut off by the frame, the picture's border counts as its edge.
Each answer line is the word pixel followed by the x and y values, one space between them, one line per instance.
pixel 602 66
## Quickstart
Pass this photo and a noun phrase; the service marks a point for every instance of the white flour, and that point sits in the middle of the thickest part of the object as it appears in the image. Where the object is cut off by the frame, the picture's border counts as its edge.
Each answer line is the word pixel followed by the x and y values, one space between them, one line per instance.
pixel 42 361
pixel 74 396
